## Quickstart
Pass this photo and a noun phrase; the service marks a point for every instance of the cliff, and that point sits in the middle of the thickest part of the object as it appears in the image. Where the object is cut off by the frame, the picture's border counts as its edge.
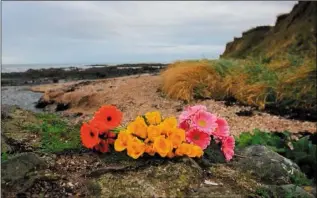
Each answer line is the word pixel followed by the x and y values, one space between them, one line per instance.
pixel 293 33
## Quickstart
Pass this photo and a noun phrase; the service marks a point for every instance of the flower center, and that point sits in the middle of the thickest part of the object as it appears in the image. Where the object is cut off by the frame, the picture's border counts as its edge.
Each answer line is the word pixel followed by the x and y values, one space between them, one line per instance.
pixel 196 137
pixel 92 134
pixel 202 123
pixel 109 118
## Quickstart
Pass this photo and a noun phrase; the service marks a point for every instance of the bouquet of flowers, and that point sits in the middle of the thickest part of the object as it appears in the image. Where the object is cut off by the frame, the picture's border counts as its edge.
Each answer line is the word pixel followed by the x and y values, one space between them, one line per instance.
pixel 151 134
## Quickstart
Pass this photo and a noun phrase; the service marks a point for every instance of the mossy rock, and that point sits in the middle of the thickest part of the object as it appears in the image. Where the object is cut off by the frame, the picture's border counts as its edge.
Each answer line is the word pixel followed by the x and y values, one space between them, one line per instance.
pixel 15 128
pixel 288 190
pixel 267 165
pixel 15 169
pixel 170 179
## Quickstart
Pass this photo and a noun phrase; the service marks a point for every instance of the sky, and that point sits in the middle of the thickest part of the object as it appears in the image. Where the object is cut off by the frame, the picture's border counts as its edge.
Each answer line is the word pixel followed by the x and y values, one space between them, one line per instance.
pixel 88 32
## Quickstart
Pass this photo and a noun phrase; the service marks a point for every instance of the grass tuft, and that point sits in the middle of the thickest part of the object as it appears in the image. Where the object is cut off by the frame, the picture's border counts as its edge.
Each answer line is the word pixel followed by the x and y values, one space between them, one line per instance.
pixel 285 82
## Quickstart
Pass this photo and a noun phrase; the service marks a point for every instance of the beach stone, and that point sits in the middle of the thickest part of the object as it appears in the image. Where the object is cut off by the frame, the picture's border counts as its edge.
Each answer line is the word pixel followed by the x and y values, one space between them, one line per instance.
pixel 288 190
pixel 267 165
pixel 170 179
pixel 14 169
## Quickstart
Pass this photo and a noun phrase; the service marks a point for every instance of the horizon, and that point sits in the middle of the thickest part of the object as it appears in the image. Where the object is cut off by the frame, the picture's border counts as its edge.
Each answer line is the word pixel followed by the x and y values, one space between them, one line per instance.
pixel 127 32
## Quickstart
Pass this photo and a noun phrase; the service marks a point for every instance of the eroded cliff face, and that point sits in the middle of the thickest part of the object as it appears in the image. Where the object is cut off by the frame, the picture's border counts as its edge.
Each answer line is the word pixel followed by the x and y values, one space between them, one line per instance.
pixel 293 33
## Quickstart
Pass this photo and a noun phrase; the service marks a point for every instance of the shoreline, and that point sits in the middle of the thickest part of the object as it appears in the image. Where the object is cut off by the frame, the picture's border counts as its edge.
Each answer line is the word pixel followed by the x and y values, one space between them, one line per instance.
pixel 62 75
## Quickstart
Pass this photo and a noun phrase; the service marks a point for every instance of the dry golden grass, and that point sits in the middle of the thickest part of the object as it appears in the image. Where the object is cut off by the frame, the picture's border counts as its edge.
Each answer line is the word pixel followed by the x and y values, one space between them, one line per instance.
pixel 282 81
pixel 182 80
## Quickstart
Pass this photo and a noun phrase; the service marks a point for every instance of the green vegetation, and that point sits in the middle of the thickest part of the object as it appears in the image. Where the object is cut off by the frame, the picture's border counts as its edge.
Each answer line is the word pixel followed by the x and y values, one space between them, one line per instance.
pixel 4 156
pixel 302 151
pixel 56 134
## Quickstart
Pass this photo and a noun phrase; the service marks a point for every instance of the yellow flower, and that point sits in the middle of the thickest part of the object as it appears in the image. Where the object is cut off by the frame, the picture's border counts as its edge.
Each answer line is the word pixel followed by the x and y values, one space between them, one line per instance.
pixel 170 154
pixel 149 149
pixel 135 148
pixel 170 122
pixel 197 151
pixel 162 146
pixel 121 142
pixel 183 149
pixel 153 117
pixel 177 136
pixel 138 127
pixel 153 132
pixel 165 129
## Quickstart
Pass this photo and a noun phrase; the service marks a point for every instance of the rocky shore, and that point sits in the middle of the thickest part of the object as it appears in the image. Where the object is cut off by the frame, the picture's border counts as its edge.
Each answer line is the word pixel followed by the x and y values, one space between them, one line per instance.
pixel 55 75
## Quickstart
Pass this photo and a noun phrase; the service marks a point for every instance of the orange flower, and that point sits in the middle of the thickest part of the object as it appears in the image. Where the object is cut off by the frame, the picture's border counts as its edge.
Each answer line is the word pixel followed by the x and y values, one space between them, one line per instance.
pixel 103 146
pixel 121 143
pixel 183 149
pixel 109 115
pixel 170 154
pixel 170 122
pixel 99 125
pixel 89 135
pixel 135 148
pixel 153 117
pixel 153 132
pixel 149 149
pixel 177 136
pixel 138 127
pixel 197 151
pixel 162 146
pixel 165 129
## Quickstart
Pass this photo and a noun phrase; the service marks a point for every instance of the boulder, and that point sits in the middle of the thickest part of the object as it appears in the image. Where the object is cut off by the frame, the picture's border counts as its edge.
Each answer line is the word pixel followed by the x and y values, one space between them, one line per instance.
pixel 15 169
pixel 170 179
pixel 269 166
pixel 288 190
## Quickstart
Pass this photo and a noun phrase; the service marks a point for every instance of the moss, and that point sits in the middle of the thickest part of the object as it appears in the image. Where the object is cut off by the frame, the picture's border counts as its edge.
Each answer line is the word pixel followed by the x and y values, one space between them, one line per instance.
pixel 241 181
pixel 44 131
pixel 93 188
pixel 171 179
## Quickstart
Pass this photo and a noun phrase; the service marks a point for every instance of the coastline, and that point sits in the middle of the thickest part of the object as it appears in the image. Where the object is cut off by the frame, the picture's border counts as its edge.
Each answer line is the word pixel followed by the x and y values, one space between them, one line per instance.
pixel 55 75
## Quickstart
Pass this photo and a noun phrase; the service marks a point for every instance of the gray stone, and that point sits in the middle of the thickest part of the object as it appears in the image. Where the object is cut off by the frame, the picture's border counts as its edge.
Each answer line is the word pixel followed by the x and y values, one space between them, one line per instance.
pixel 267 165
pixel 16 168
pixel 166 180
pixel 289 190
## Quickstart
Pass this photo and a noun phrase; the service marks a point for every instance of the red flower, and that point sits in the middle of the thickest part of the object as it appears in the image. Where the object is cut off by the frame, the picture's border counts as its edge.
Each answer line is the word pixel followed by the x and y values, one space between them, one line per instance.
pixel 89 135
pixel 103 146
pixel 198 138
pixel 109 115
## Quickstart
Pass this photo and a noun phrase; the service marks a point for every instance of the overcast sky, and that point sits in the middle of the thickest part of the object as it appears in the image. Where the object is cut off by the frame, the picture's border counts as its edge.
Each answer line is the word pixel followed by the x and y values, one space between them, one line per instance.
pixel 127 31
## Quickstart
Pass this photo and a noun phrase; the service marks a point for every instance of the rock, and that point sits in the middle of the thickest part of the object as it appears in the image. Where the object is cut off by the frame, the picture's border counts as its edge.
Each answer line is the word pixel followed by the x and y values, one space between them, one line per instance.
pixel 6 111
pixel 41 103
pixel 18 132
pixel 267 165
pixel 171 179
pixel 289 190
pixel 15 168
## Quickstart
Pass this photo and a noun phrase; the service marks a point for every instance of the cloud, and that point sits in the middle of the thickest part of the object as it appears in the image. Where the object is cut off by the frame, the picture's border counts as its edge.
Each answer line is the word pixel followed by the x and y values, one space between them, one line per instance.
pixel 88 31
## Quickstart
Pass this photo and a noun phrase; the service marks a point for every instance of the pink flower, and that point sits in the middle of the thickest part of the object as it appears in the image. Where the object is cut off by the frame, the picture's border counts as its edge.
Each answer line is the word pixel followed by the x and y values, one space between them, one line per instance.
pixel 184 125
pixel 184 116
pixel 205 121
pixel 227 147
pixel 222 130
pixel 191 111
pixel 198 138
pixel 197 108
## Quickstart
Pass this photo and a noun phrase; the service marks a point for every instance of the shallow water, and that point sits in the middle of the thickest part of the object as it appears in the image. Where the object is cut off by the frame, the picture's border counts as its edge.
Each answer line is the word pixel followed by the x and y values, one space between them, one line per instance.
pixel 20 96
